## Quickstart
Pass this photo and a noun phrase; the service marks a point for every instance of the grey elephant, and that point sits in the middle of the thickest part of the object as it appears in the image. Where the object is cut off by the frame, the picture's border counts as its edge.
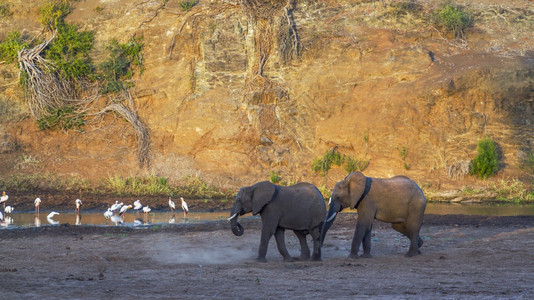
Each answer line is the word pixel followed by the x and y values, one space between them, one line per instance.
pixel 397 200
pixel 299 207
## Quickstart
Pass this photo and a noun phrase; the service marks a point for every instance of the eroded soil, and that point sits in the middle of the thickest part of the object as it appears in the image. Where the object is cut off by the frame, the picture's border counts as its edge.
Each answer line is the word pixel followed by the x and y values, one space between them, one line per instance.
pixel 463 257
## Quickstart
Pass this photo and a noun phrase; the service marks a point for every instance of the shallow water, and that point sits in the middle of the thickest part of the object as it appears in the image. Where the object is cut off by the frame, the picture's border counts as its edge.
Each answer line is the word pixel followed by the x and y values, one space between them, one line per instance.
pixel 28 219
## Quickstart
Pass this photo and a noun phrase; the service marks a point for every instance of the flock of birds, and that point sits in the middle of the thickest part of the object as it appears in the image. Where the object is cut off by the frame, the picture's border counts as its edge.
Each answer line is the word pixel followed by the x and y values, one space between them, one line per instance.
pixel 115 212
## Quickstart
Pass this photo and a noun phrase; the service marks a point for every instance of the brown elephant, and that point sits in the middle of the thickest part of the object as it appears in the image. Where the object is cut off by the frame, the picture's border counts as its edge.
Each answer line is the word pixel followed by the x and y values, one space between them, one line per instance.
pixel 299 207
pixel 397 200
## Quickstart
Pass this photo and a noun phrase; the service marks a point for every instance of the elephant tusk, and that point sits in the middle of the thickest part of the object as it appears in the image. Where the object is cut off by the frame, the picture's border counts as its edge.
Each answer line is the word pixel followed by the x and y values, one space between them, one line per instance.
pixel 233 216
pixel 331 217
pixel 329 200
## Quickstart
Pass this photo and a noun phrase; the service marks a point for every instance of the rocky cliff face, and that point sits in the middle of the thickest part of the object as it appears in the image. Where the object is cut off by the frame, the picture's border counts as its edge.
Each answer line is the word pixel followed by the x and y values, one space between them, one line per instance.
pixel 233 92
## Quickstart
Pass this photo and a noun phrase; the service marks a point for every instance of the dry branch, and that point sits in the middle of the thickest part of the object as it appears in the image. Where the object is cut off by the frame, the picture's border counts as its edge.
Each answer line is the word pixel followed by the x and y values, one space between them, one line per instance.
pixel 47 91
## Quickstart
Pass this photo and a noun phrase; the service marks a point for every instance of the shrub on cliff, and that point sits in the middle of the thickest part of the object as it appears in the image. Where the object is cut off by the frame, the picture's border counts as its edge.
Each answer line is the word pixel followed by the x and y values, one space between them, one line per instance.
pixel 486 163
pixel 453 19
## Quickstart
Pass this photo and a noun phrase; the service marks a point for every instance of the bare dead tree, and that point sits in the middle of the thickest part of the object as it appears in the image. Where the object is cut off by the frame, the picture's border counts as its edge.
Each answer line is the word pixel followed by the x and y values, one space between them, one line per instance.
pixel 46 91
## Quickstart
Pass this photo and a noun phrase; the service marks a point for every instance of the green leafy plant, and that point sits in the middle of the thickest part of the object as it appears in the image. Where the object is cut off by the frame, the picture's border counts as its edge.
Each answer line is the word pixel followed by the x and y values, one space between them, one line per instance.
pixel 52 14
pixel 403 152
pixel 187 5
pixel 99 9
pixel 117 70
pixel 11 45
pixel 69 52
pixel 453 19
pixel 486 163
pixel 354 164
pixel 275 177
pixel 61 118
pixel 333 157
pixel 324 163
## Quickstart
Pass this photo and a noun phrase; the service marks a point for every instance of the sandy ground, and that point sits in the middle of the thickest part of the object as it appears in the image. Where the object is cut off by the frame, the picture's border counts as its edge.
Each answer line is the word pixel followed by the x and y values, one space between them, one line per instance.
pixel 463 257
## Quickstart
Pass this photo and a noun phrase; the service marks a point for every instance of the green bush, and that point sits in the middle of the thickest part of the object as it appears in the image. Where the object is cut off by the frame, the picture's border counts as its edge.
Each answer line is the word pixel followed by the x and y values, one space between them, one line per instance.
pixel 486 163
pixel 187 5
pixel 116 71
pixel 61 118
pixel 333 157
pixel 52 14
pixel 453 19
pixel 10 47
pixel 275 177
pixel 353 164
pixel 69 52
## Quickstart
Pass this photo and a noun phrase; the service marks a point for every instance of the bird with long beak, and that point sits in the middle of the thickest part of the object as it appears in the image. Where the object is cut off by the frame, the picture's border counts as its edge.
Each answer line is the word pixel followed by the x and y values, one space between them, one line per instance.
pixel 146 210
pixel 124 209
pixel 184 207
pixel 37 203
pixel 78 204
pixel 172 205
pixel 4 198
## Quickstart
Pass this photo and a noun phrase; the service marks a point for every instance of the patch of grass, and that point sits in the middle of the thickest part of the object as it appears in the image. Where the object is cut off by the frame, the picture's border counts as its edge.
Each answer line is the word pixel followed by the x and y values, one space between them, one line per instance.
pixel 99 9
pixel 275 177
pixel 63 118
pixel 27 161
pixel 527 163
pixel 452 18
pixel 334 157
pixel 44 181
pixel 11 45
pixel 187 5
pixel 5 10
pixel 512 190
pixel 150 185
pixel 326 192
pixel 195 187
pixel 486 163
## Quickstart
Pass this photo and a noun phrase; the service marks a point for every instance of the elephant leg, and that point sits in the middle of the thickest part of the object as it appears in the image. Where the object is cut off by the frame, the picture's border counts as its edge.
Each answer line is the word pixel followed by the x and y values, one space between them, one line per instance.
pixel 316 236
pixel 266 234
pixel 304 249
pixel 279 235
pixel 415 239
pixel 359 233
pixel 367 243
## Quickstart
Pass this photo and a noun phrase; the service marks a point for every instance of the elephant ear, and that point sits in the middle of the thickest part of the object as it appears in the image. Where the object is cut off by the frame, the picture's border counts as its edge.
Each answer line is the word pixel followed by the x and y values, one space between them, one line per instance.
pixel 262 194
pixel 356 185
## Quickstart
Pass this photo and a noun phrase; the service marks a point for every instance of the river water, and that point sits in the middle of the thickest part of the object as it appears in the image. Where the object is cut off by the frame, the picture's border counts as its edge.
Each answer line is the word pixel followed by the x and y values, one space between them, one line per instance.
pixel 29 219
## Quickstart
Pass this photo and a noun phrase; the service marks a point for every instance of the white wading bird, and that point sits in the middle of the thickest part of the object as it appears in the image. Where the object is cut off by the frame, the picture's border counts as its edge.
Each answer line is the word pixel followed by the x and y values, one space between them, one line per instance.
pixel 4 198
pixel 37 203
pixel 108 213
pixel 146 209
pixel 124 209
pixel 184 207
pixel 172 205
pixel 50 216
pixel 78 204
pixel 115 207
pixel 9 209
pixel 137 205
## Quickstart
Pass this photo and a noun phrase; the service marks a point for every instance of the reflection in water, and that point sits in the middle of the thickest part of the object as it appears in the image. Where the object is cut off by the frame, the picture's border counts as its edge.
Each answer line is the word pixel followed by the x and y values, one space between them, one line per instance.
pixel 50 216
pixel 78 220
pixel 8 221
pixel 29 219
pixel 116 219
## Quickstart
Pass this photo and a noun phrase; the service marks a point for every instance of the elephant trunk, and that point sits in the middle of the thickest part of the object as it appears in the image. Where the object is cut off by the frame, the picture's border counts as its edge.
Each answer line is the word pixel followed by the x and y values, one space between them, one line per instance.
pixel 237 229
pixel 330 217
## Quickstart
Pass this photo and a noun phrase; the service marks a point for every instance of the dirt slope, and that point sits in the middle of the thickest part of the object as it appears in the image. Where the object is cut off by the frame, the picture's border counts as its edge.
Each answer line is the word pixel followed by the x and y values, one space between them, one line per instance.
pixel 232 96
